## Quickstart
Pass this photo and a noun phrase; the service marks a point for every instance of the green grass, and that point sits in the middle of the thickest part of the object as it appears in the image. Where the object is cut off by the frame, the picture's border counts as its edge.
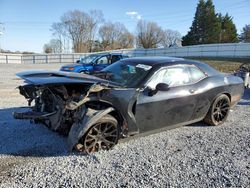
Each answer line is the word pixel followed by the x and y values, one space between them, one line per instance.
pixel 224 65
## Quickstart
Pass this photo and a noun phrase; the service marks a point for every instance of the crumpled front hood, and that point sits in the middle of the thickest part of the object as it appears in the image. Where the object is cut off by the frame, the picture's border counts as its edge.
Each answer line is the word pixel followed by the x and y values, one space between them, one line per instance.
pixel 40 77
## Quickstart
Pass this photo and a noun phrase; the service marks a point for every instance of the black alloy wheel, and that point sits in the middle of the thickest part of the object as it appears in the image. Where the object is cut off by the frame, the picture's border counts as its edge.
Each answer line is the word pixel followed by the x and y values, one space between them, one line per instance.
pixel 219 111
pixel 101 136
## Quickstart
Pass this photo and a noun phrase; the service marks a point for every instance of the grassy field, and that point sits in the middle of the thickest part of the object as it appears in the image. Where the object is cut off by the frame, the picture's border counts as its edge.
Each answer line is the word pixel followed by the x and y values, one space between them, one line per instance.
pixel 224 65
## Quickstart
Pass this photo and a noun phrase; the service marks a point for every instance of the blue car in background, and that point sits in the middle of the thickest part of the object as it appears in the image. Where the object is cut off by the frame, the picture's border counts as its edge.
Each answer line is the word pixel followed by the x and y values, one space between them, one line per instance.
pixel 93 63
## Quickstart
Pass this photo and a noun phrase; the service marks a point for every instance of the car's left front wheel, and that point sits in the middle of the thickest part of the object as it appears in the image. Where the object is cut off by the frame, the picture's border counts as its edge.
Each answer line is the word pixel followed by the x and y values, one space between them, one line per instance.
pixel 101 136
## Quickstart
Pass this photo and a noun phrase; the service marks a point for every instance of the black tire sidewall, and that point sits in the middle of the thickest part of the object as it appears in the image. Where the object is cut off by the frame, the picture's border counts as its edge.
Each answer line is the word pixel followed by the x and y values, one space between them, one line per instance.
pixel 105 119
pixel 214 122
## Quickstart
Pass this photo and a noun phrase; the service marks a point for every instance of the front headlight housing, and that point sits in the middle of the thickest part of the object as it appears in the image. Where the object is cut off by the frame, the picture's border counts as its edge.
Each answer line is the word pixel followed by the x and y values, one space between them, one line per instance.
pixel 68 68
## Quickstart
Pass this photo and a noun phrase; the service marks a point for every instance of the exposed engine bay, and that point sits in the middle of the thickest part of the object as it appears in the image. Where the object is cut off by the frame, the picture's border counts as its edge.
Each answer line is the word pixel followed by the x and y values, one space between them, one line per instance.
pixel 63 108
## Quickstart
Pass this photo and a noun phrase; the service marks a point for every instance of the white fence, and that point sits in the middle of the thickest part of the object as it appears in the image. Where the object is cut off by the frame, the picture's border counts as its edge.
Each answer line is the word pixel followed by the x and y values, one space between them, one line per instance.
pixel 230 50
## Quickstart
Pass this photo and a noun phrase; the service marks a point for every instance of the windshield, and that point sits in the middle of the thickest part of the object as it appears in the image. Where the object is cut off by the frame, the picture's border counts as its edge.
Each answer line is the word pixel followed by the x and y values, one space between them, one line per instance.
pixel 127 74
pixel 88 59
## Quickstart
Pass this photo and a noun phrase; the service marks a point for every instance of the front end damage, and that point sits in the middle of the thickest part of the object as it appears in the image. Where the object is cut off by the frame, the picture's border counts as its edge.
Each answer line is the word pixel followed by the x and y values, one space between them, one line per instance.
pixel 70 109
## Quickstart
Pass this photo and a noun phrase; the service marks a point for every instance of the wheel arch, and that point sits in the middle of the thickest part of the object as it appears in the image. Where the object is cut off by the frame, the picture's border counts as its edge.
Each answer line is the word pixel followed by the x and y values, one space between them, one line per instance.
pixel 79 129
pixel 227 94
pixel 102 105
pixel 222 93
pixel 209 118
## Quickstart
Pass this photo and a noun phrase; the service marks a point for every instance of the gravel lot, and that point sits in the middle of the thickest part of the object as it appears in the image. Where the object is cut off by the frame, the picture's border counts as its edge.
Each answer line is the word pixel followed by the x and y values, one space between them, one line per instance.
pixel 193 156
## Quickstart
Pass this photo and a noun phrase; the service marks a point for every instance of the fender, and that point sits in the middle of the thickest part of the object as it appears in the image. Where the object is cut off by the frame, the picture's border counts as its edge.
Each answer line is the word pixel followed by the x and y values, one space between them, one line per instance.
pixel 87 120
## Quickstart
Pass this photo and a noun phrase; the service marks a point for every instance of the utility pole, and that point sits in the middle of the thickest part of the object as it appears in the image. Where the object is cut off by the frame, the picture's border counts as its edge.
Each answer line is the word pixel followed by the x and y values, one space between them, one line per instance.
pixel 1 33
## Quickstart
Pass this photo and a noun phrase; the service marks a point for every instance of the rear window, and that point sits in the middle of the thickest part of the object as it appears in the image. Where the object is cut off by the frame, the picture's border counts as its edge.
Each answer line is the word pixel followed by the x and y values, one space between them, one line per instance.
pixel 196 74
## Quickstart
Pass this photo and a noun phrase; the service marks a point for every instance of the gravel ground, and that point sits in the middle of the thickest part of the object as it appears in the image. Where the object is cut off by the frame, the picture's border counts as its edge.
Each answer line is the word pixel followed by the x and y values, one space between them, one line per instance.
pixel 192 156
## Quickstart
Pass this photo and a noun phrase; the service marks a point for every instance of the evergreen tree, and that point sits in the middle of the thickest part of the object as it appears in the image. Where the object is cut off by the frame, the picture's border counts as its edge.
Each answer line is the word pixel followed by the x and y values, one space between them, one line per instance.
pixel 197 29
pixel 245 34
pixel 209 27
pixel 228 31
pixel 212 24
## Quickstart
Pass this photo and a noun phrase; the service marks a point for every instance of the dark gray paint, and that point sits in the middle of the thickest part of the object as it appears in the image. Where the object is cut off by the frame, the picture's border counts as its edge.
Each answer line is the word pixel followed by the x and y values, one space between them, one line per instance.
pixel 177 106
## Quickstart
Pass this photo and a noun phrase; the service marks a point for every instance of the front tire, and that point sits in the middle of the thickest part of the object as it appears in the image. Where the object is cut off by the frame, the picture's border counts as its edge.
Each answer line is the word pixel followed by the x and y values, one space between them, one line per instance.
pixel 218 111
pixel 85 72
pixel 103 135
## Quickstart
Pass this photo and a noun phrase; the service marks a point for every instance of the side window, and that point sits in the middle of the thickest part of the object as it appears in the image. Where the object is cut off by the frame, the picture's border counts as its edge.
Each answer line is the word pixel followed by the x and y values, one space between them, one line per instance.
pixel 102 60
pixel 174 76
pixel 196 74
pixel 115 58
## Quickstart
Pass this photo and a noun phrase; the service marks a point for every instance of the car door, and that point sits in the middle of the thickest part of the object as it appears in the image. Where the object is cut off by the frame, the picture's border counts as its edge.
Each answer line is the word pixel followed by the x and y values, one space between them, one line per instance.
pixel 199 84
pixel 166 108
pixel 101 63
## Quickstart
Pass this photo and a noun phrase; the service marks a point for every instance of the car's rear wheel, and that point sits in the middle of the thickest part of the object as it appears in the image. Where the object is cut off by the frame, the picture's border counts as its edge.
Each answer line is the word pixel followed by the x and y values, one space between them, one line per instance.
pixel 218 111
pixel 101 136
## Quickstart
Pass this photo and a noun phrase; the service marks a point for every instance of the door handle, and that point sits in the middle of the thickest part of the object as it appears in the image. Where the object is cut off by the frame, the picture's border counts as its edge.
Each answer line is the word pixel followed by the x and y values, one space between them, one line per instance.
pixel 192 90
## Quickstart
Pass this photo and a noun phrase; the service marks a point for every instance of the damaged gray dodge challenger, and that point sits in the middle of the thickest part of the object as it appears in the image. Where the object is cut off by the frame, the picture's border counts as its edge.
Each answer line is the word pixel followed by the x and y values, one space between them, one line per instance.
pixel 132 96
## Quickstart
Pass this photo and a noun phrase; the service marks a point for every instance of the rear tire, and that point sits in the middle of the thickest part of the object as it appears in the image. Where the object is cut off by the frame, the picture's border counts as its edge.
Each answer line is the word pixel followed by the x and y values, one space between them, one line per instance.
pixel 218 111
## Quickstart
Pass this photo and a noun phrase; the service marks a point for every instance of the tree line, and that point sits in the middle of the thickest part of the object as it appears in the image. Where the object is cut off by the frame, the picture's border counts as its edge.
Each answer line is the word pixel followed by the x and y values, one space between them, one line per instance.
pixel 89 32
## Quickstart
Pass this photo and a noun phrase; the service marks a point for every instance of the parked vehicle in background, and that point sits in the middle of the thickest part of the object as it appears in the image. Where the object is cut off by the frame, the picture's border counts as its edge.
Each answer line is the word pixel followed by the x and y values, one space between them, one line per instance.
pixel 93 63
pixel 244 72
pixel 132 96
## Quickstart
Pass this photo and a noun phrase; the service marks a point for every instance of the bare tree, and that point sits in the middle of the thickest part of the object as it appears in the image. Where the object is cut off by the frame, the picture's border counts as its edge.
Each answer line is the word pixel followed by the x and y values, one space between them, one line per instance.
pixel 126 40
pixel 54 46
pixel 80 27
pixel 96 17
pixel 115 36
pixel 75 23
pixel 171 38
pixel 109 33
pixel 47 48
pixel 149 34
pixel 60 33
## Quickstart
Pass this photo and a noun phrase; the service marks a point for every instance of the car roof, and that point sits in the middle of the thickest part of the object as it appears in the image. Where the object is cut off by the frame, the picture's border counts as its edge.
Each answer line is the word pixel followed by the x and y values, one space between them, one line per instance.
pixel 153 60
pixel 100 54
pixel 168 61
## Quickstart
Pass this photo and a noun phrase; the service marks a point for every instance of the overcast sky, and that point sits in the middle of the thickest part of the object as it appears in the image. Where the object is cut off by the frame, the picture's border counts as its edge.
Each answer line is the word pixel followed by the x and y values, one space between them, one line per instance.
pixel 27 23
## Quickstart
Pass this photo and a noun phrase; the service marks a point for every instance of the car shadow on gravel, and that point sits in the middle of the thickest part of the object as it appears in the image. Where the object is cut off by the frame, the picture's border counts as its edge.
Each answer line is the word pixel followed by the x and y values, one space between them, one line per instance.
pixel 199 124
pixel 23 138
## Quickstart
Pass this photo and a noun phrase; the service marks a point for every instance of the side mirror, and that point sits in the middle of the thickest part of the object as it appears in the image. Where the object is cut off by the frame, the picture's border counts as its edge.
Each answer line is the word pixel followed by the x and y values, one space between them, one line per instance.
pixel 78 61
pixel 162 87
pixel 159 87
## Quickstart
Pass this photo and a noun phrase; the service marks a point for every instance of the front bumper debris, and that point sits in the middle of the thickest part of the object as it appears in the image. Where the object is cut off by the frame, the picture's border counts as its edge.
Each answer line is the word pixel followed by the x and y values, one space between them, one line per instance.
pixel 32 115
